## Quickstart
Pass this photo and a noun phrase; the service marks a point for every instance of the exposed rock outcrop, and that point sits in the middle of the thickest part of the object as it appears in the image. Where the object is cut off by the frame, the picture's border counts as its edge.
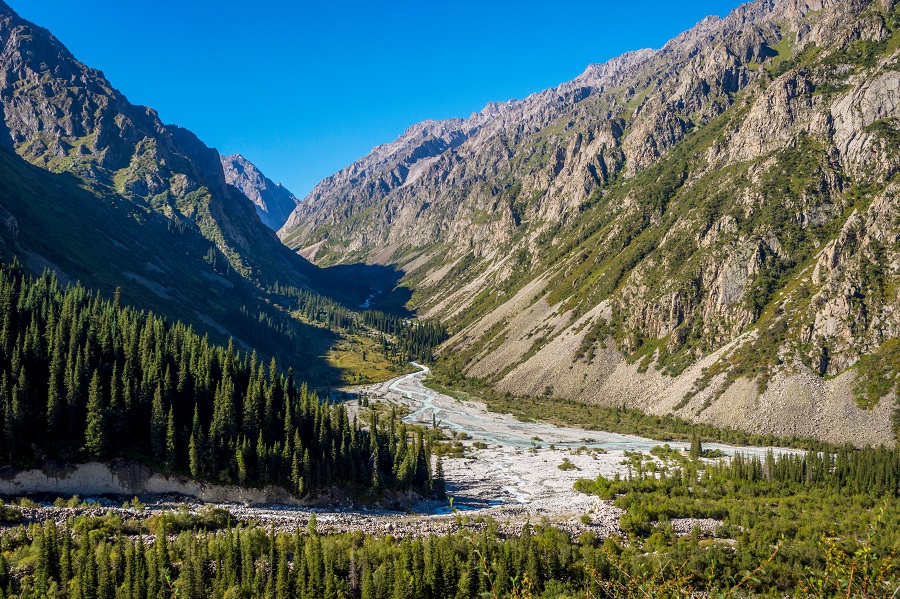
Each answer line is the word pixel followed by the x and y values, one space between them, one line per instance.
pixel 738 183
pixel 273 202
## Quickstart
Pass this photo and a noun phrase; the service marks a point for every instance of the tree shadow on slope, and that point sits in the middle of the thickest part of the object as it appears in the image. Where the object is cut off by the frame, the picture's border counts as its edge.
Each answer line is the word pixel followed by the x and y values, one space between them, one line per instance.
pixel 369 286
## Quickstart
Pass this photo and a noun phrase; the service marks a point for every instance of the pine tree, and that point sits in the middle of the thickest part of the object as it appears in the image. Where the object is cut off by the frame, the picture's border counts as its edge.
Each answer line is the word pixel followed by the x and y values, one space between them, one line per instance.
pixel 8 423
pixel 376 481
pixel 194 458
pixel 240 460
pixel 171 455
pixel 158 427
pixel 55 407
pixel 696 450
pixel 197 447
pixel 95 433
pixel 440 484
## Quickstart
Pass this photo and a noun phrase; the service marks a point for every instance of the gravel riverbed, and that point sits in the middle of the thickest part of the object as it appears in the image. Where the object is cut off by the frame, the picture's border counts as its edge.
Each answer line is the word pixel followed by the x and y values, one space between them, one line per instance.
pixel 510 472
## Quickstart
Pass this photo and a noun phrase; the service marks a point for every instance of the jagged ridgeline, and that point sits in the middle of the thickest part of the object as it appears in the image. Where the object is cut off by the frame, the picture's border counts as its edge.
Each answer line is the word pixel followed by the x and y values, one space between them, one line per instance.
pixel 403 339
pixel 708 229
pixel 83 377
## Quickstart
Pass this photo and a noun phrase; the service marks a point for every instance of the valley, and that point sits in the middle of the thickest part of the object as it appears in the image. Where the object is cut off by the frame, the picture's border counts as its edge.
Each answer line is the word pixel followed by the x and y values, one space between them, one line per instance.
pixel 509 472
pixel 634 335
pixel 707 229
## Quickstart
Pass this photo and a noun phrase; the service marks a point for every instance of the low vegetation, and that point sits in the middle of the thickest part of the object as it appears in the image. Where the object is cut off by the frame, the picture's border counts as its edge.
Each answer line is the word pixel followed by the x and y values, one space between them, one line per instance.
pixel 793 520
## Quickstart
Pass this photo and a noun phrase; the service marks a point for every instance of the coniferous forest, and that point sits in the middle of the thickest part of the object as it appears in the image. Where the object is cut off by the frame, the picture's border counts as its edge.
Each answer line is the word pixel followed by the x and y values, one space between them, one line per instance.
pixel 805 525
pixel 83 377
pixel 402 339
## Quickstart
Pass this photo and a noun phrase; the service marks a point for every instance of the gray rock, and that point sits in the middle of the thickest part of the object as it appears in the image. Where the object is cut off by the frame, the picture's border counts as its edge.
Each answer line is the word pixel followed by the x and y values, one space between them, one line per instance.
pixel 274 203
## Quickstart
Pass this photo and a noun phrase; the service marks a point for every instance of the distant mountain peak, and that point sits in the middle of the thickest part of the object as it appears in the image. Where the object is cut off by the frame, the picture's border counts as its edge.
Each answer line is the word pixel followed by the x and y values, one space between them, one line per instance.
pixel 274 203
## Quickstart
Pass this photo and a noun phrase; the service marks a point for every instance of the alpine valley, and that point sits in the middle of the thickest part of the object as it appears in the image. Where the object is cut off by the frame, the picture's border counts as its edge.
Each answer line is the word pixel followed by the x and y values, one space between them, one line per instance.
pixel 634 336
pixel 710 229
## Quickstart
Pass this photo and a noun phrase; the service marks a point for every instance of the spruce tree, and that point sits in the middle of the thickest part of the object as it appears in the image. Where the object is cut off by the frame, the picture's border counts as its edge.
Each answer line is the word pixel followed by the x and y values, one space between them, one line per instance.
pixel 158 426
pixel 55 401
pixel 194 459
pixel 171 455
pixel 95 432
pixel 440 484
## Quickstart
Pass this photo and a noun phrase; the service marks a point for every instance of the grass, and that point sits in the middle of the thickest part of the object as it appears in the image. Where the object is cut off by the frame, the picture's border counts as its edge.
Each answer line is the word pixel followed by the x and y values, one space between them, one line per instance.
pixel 360 361
pixel 636 100
pixel 783 50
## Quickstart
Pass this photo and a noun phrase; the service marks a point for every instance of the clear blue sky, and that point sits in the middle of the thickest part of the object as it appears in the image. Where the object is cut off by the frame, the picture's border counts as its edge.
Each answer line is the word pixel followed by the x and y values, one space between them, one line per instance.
pixel 304 88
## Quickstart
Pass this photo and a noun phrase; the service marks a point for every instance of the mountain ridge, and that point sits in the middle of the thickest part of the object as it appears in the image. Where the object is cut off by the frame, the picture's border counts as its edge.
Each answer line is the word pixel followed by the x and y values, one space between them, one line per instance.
pixel 686 230
pixel 66 117
pixel 274 203
pixel 101 191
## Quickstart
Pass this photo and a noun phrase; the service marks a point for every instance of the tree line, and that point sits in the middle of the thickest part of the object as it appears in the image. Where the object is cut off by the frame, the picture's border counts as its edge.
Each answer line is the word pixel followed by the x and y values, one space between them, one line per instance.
pixel 90 558
pixel 194 557
pixel 317 308
pixel 402 338
pixel 83 377
pixel 414 339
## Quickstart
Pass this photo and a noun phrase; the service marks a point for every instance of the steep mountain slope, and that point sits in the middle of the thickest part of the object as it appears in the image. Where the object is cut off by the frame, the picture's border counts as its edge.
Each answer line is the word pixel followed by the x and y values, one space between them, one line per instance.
pixel 114 198
pixel 273 202
pixel 50 221
pixel 709 229
pixel 65 117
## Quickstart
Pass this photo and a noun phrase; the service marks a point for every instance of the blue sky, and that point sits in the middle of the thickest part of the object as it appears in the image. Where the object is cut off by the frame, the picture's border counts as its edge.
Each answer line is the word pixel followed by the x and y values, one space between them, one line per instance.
pixel 302 89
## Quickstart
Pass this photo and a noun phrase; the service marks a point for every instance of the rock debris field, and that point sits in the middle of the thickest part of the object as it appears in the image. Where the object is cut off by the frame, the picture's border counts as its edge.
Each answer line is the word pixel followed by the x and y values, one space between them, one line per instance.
pixel 510 472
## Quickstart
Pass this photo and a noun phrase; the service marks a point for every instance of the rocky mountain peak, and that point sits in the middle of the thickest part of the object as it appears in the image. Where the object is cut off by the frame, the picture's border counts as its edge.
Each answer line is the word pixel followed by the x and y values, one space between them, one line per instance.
pixel 63 116
pixel 273 202
pixel 700 217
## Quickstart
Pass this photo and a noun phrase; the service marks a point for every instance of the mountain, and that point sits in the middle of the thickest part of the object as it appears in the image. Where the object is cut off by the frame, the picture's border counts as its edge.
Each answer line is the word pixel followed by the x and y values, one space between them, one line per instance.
pixel 67 118
pixel 709 229
pixel 274 204
pixel 101 191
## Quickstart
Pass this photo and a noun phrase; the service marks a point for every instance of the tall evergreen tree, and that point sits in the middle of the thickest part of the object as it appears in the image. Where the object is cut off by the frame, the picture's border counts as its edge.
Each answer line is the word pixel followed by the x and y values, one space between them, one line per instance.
pixel 95 433
pixel 171 455
pixel 158 426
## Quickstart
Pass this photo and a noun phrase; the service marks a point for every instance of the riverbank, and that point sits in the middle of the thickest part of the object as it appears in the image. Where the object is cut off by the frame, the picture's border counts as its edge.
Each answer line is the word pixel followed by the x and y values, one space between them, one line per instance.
pixel 511 464
pixel 511 471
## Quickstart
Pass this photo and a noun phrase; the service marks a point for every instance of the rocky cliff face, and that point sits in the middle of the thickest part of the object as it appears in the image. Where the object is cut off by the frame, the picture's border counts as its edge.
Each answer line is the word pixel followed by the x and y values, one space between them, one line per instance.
pixel 708 229
pixel 273 202
pixel 66 117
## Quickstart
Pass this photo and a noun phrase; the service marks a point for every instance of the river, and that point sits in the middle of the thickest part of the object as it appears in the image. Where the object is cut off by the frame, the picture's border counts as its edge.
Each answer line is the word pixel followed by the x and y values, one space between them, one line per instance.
pixel 519 469
pixel 474 420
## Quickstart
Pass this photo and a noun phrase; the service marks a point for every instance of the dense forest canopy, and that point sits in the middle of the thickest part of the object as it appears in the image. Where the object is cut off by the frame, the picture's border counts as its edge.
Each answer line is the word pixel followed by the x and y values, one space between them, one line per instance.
pixel 83 377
